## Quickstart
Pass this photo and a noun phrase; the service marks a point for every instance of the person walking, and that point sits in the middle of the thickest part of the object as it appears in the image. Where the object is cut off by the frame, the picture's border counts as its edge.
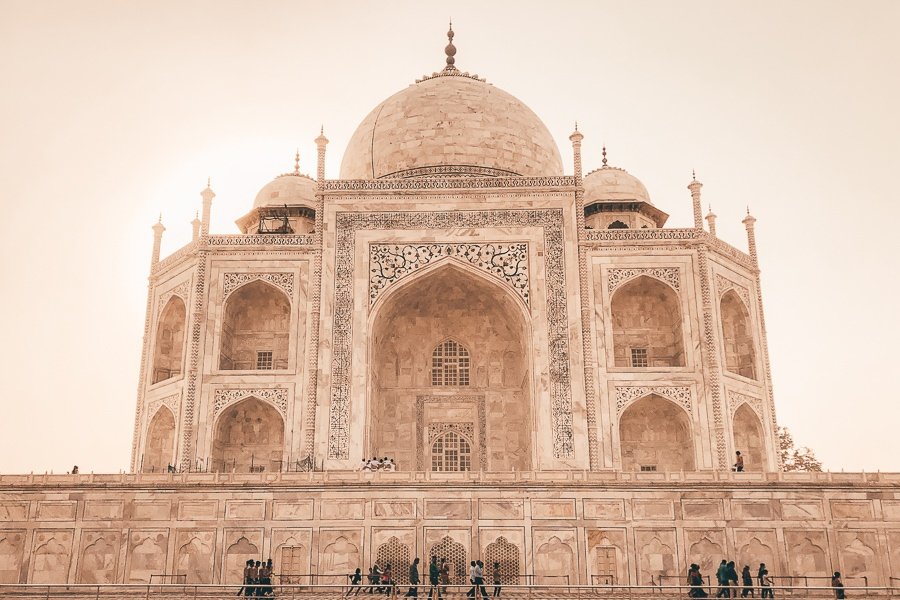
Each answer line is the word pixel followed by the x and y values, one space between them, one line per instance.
pixel 355 582
pixel 413 579
pixel 738 462
pixel 722 580
pixel 247 566
pixel 695 580
pixel 765 584
pixel 759 574
pixel 747 580
pixel 838 585
pixel 265 579
pixel 497 579
pixel 479 579
pixel 472 593
pixel 434 579
pixel 387 579
pixel 445 575
pixel 732 579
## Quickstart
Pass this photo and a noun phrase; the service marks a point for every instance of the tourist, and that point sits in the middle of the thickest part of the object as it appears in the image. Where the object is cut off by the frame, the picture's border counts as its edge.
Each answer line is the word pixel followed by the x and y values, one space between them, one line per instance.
pixel 264 578
pixel 75 470
pixel 765 584
pixel 355 581
pixel 759 574
pixel 472 593
pixel 413 579
pixel 497 579
pixel 732 579
pixel 695 580
pixel 739 462
pixel 479 579
pixel 387 581
pixel 838 586
pixel 747 580
pixel 722 580
pixel 252 576
pixel 434 579
pixel 445 574
pixel 247 580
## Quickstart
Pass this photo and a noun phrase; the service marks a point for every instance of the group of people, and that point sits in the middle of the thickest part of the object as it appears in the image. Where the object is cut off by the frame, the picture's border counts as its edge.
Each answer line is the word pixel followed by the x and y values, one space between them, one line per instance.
pixel 257 579
pixel 381 580
pixel 376 464
pixel 729 582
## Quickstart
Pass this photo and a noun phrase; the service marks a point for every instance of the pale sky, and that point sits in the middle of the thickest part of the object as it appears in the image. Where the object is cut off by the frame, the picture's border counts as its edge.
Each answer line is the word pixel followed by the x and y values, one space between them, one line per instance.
pixel 112 112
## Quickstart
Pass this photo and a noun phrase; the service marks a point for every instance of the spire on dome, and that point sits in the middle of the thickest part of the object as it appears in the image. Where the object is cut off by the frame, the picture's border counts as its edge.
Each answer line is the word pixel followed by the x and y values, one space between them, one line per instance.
pixel 297 162
pixel 605 162
pixel 450 50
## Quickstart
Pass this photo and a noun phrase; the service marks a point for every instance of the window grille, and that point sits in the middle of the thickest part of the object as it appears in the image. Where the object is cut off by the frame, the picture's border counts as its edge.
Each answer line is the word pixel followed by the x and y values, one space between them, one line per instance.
pixel 264 361
pixel 451 452
pixel 648 468
pixel 639 357
pixel 450 365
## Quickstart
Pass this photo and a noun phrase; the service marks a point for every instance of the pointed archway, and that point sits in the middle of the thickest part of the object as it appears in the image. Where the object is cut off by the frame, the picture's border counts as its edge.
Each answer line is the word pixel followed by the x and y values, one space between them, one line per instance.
pixel 749 439
pixel 159 450
pixel 169 347
pixel 655 435
pixel 249 437
pixel 449 348
pixel 647 325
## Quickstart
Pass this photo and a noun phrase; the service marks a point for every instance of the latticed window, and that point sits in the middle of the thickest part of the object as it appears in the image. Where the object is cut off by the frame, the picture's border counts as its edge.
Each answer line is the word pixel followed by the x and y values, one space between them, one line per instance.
pixel 264 361
pixel 639 357
pixel 450 364
pixel 451 452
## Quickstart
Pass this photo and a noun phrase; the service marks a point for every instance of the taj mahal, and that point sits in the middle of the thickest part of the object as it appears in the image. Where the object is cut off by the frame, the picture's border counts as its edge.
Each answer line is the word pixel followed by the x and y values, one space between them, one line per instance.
pixel 562 381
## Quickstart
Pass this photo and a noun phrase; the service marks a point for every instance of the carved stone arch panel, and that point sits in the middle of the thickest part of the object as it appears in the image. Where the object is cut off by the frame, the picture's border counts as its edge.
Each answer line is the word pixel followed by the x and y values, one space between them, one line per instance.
pixel 168 346
pixel 182 290
pixel 508 555
pixel 12 550
pixel 51 557
pixel 283 281
pixel 647 318
pixel 99 557
pixel 723 284
pixel 655 434
pixel 159 438
pixel 615 277
pixel 223 398
pixel 506 262
pixel 555 562
pixel 395 553
pixel 680 395
pixel 248 435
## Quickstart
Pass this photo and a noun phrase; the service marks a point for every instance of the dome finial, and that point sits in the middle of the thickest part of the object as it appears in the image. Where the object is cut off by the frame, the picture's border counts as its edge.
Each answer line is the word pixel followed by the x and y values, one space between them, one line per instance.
pixel 297 162
pixel 450 49
pixel 605 163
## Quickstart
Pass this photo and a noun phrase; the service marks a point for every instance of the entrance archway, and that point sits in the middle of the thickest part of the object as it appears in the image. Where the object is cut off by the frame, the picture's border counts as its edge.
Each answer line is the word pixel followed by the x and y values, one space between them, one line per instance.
pixel 452 345
pixel 655 435
pixel 748 438
pixel 249 437
pixel 159 450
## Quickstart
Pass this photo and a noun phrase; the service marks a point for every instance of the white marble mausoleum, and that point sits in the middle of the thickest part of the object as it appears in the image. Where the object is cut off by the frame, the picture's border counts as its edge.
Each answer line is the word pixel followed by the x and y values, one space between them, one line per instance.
pixel 561 379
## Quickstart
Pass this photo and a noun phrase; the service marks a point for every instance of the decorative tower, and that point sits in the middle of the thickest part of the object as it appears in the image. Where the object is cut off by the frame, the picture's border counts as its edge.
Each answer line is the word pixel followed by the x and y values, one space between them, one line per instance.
pixel 748 222
pixel 207 195
pixel 195 227
pixel 158 229
pixel 711 219
pixel 321 142
pixel 695 186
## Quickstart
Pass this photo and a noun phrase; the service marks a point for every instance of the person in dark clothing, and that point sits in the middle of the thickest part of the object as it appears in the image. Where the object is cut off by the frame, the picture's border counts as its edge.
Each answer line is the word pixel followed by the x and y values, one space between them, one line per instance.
pixel 747 581
pixel 732 579
pixel 265 579
pixel 355 581
pixel 838 585
pixel 695 580
pixel 413 579
pixel 759 574
pixel 738 462
pixel 722 580
pixel 434 579
pixel 247 580
pixel 479 579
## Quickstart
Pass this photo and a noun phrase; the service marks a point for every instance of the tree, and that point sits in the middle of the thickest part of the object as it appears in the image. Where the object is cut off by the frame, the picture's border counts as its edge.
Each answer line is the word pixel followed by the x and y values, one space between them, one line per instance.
pixel 796 459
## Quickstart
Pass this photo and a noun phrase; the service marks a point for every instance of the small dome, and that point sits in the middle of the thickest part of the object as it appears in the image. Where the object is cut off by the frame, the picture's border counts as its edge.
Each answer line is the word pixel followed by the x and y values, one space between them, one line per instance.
pixel 611 184
pixel 290 189
pixel 451 124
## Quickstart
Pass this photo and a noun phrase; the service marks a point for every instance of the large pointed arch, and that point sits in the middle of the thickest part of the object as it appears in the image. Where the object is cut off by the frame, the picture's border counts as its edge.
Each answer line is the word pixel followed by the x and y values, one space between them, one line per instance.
pixel 159 449
pixel 255 331
pixel 647 324
pixel 450 301
pixel 749 439
pixel 249 436
pixel 737 335
pixel 655 435
pixel 168 349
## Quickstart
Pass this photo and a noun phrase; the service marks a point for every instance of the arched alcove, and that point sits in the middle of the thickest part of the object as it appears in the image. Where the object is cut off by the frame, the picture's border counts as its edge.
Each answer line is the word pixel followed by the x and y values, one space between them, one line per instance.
pixel 249 436
pixel 617 225
pixel 255 330
pixel 169 348
pixel 448 348
pixel 655 435
pixel 749 439
pixel 737 335
pixel 647 325
pixel 159 448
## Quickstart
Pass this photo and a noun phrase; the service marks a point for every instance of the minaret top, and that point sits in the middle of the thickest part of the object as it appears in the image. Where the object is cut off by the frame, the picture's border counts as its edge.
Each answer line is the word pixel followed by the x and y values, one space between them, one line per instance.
pixel 605 162
pixel 297 162
pixel 450 50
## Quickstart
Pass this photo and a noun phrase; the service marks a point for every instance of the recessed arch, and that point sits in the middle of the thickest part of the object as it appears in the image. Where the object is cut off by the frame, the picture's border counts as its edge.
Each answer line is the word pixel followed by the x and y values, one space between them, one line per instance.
pixel 749 438
pixel 617 224
pixel 168 351
pixel 647 324
pixel 249 436
pixel 159 448
pixel 655 435
pixel 450 302
pixel 737 336
pixel 255 328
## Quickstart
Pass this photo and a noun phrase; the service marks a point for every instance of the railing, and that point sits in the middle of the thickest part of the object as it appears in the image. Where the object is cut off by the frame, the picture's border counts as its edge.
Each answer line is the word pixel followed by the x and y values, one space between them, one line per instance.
pixel 190 591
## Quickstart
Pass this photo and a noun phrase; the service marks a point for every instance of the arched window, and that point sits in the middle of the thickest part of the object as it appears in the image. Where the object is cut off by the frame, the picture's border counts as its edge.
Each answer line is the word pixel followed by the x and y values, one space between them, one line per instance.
pixel 646 325
pixel 737 335
pixel 167 352
pixel 617 225
pixel 450 364
pixel 255 331
pixel 451 452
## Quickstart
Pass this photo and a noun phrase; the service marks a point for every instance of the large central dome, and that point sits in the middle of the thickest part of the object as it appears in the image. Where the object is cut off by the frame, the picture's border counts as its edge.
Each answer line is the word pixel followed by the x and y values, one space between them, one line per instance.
pixel 451 124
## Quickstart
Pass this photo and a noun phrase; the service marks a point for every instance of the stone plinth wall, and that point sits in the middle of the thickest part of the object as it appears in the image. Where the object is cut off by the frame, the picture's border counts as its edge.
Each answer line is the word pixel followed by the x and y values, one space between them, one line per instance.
pixel 565 526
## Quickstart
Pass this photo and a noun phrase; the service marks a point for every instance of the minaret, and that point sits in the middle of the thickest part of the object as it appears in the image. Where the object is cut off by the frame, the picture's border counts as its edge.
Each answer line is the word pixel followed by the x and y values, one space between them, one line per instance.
pixel 207 196
pixel 711 219
pixel 576 138
pixel 321 142
pixel 158 229
pixel 748 222
pixel 195 225
pixel 695 186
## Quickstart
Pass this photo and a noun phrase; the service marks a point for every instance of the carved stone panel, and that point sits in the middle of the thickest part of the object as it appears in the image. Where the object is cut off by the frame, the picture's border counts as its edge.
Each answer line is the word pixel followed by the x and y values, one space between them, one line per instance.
pixel 146 555
pixel 12 550
pixel 194 554
pixel 51 555
pixel 99 557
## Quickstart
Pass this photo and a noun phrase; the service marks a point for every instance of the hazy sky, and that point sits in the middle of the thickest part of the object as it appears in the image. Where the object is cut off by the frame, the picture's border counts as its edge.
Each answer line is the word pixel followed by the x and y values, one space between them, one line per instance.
pixel 112 112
